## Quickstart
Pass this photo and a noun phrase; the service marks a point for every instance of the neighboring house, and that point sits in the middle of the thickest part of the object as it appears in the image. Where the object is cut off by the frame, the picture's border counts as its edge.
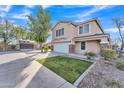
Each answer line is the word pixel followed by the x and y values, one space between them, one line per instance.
pixel 27 45
pixel 20 45
pixel 88 36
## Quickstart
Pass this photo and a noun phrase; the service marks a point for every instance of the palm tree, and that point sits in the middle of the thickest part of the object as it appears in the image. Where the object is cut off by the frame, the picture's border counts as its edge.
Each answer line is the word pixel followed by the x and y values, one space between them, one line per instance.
pixel 39 26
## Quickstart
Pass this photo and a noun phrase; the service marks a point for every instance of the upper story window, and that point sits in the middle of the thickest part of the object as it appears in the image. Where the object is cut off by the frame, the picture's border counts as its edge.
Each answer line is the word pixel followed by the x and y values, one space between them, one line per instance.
pixel 84 29
pixel 60 32
pixel 81 30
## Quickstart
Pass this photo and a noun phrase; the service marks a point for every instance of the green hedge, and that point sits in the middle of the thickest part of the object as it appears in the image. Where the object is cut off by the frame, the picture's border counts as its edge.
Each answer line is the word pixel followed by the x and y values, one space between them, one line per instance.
pixel 120 65
pixel 108 54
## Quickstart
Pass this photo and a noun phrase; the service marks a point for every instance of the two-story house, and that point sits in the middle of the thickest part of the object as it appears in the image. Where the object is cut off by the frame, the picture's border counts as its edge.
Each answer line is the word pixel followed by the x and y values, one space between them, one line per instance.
pixel 88 36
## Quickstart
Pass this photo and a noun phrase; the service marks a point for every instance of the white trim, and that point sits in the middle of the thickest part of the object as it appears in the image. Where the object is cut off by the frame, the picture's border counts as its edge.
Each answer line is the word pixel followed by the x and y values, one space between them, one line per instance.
pixel 59 37
pixel 83 29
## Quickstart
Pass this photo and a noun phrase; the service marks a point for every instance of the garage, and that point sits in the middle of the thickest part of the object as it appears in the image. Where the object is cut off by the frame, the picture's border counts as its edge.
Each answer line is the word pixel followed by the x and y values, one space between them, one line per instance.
pixel 61 47
pixel 26 46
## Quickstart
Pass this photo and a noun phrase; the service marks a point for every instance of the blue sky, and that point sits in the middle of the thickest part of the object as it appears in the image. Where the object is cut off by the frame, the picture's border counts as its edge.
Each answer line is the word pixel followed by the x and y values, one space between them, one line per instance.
pixel 105 13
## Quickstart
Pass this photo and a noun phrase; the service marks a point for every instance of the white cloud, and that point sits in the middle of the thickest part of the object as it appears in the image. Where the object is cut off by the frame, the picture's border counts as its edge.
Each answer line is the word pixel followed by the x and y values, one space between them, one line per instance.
pixel 113 29
pixel 81 20
pixel 22 15
pixel 46 6
pixel 5 8
pixel 2 14
pixel 30 6
pixel 85 14
pixel 95 9
pixel 73 6
pixel 12 21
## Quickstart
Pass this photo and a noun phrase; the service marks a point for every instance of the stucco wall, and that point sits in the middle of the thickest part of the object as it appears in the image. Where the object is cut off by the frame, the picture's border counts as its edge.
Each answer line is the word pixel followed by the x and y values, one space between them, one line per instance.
pixel 91 46
pixel 69 31
pixel 93 27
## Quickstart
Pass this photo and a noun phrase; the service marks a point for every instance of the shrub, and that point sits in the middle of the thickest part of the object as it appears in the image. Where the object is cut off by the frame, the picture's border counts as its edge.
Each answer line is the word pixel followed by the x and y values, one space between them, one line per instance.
pixel 90 55
pixel 45 48
pixel 1 43
pixel 120 65
pixel 13 46
pixel 108 54
pixel 113 83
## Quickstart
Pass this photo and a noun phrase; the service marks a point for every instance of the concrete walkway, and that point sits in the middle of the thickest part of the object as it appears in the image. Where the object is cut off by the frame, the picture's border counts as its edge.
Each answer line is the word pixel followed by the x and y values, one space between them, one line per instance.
pixel 18 69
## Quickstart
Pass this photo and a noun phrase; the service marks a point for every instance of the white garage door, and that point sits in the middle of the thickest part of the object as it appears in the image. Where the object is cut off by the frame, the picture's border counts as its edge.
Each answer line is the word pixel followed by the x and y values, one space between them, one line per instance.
pixel 61 47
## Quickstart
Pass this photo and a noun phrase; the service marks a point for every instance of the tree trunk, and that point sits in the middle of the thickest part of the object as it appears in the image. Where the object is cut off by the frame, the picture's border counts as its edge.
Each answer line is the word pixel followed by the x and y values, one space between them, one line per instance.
pixel 120 52
pixel 121 37
pixel 4 49
pixel 41 48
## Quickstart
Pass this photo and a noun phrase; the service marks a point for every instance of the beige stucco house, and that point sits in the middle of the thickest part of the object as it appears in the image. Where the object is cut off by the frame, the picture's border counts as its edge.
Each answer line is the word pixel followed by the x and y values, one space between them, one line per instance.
pixel 88 36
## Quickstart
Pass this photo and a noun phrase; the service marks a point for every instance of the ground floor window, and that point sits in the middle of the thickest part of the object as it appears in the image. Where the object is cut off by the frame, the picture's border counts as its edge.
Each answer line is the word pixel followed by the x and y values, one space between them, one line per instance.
pixel 83 45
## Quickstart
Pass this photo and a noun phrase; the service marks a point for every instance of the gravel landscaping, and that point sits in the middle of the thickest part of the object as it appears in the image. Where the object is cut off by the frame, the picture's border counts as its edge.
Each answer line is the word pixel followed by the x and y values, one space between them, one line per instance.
pixel 104 75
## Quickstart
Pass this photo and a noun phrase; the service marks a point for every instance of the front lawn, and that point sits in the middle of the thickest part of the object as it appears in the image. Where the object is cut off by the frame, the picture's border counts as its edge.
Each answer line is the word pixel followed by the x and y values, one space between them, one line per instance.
pixel 68 68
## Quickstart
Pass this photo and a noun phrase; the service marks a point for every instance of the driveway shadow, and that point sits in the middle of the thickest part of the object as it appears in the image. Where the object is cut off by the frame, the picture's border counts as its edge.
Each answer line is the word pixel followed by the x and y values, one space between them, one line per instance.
pixel 23 72
pixel 10 73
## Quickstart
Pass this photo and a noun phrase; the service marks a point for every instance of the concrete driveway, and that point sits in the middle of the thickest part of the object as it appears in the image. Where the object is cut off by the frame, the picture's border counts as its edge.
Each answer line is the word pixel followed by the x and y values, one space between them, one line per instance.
pixel 18 69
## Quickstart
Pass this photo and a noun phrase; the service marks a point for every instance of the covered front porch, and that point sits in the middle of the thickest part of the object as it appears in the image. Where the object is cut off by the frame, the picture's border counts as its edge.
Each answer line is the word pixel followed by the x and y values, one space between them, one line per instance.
pixel 92 43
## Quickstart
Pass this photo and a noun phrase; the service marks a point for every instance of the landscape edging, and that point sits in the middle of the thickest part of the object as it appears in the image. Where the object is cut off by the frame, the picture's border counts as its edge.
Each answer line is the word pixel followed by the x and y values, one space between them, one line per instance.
pixel 78 81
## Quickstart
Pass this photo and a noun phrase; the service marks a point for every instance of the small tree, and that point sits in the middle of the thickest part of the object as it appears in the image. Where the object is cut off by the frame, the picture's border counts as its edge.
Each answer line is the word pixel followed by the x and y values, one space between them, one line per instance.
pixel 5 32
pixel 119 22
pixel 115 44
pixel 39 25
pixel 18 32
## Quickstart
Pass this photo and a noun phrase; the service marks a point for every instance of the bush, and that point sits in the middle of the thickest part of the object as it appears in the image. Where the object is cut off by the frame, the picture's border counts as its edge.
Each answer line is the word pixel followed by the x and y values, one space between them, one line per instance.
pixel 1 43
pixel 90 55
pixel 120 65
pixel 13 46
pixel 45 48
pixel 108 54
pixel 113 83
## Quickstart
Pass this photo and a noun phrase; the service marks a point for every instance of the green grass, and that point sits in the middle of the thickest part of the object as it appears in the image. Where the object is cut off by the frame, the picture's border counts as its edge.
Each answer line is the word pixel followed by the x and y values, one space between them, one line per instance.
pixel 68 68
